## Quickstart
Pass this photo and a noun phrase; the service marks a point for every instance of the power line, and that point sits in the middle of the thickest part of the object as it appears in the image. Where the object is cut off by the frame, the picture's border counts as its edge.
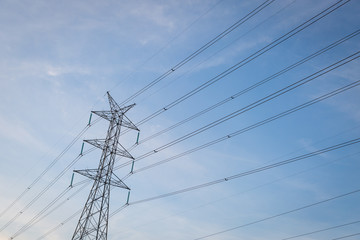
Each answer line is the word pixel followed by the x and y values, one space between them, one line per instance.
pixel 281 214
pixel 347 236
pixel 215 53
pixel 251 189
pixel 39 216
pixel 38 178
pixel 322 230
pixel 70 218
pixel 243 110
pixel 243 130
pixel 238 94
pixel 66 190
pixel 256 170
pixel 255 104
pixel 74 215
pixel 60 225
pixel 201 49
pixel 171 40
pixel 44 190
pixel 248 59
pixel 249 88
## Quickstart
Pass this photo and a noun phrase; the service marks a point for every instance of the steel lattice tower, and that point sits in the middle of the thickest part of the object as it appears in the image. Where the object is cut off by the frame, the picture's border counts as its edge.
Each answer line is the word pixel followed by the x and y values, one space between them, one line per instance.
pixel 93 222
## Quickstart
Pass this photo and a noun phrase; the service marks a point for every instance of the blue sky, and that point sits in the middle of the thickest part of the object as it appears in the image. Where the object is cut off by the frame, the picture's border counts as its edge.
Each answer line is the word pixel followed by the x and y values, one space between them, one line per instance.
pixel 58 59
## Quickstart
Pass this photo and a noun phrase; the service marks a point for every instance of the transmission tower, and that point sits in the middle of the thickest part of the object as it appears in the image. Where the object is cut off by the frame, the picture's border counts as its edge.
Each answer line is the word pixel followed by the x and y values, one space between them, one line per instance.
pixel 93 222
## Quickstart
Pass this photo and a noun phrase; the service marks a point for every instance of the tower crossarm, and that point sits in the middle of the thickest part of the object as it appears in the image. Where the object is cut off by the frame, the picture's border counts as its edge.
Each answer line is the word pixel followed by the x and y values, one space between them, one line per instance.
pixel 101 143
pixel 127 123
pixel 93 174
pixel 108 115
pixel 117 182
